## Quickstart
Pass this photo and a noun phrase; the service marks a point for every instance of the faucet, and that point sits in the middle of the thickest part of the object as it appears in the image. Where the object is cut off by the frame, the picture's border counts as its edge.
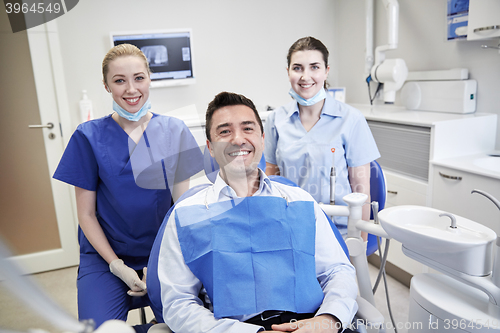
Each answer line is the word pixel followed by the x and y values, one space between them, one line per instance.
pixel 453 219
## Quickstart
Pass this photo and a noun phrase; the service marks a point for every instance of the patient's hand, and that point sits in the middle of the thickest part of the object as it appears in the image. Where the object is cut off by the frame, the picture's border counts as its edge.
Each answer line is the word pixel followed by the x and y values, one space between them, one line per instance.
pixel 321 324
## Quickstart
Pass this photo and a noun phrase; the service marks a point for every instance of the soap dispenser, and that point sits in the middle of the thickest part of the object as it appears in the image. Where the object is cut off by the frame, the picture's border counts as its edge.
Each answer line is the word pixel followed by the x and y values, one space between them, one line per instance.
pixel 86 113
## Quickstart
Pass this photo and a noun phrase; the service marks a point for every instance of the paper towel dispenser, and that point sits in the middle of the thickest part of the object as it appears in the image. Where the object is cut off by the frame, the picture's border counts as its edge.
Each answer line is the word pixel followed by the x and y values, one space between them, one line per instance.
pixel 452 96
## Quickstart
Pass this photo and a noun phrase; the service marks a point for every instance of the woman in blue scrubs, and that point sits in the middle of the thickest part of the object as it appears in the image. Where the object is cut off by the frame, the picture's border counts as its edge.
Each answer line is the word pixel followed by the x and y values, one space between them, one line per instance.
pixel 306 137
pixel 127 168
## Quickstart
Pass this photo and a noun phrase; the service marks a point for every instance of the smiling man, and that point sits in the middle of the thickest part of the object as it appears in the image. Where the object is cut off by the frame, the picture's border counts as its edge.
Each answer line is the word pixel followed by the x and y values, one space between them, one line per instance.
pixel 264 251
pixel 235 139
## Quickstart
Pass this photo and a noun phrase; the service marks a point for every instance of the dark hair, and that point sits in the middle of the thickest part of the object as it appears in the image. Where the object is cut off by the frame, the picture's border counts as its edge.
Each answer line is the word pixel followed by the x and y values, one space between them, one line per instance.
pixel 227 99
pixel 308 44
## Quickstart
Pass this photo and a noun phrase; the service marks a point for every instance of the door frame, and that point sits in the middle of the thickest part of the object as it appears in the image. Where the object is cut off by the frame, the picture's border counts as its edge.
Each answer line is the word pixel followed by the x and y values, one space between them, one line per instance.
pixel 53 106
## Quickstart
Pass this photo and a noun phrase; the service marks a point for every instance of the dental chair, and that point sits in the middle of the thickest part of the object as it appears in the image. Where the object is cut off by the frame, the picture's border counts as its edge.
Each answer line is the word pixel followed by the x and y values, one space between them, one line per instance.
pixel 378 193
pixel 367 313
pixel 140 304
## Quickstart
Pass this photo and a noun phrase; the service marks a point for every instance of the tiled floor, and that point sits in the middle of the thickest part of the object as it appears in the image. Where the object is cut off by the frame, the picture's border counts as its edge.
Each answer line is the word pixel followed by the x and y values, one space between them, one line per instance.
pixel 60 285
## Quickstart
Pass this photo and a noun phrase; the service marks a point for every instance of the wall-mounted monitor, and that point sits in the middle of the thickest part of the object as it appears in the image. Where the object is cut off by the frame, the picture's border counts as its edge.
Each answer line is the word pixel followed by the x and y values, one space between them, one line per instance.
pixel 169 52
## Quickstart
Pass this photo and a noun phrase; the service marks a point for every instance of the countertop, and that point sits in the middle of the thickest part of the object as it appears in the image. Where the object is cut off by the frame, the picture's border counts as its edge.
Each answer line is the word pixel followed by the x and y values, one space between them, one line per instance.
pixel 400 115
pixel 476 164
pixel 385 113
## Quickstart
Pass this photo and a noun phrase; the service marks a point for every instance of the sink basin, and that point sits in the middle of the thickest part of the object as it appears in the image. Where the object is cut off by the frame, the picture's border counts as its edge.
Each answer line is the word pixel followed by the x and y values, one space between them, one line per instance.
pixel 489 163
pixel 423 227
pixel 421 230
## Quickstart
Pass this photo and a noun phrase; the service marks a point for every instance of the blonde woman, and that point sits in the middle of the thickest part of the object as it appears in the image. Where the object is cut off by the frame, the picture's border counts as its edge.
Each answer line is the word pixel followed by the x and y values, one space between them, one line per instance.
pixel 127 168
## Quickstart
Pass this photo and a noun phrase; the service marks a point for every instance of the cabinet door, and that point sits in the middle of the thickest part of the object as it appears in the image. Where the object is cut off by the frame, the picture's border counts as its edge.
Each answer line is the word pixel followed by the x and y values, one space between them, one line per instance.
pixel 403 190
pixel 484 19
pixel 451 192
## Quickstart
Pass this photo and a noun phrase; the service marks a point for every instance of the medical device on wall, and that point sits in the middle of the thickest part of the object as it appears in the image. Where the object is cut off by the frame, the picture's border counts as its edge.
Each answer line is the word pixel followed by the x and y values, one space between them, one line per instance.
pixel 391 73
pixel 448 91
pixel 169 52
pixel 456 96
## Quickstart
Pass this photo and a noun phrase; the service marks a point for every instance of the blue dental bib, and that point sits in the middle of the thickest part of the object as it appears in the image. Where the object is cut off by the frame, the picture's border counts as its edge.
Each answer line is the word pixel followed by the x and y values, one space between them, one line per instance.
pixel 252 254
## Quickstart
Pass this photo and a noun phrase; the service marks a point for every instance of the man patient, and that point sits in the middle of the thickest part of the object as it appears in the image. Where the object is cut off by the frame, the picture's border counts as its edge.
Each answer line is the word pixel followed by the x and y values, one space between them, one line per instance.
pixel 264 251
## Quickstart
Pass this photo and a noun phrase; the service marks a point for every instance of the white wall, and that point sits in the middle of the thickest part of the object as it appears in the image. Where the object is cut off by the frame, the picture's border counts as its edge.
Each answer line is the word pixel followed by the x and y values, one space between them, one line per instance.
pixel 239 46
pixel 422 44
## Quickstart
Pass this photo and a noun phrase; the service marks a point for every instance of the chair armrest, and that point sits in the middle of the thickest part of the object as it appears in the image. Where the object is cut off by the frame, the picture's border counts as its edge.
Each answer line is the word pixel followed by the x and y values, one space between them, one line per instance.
pixel 372 228
pixel 368 313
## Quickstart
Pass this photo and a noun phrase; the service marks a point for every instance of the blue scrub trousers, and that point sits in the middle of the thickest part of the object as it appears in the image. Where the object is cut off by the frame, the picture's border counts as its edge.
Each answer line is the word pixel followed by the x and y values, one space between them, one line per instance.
pixel 103 296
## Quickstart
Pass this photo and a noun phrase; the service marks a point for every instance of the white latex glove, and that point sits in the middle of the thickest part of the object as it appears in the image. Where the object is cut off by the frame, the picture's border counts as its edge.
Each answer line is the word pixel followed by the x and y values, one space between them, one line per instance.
pixel 130 277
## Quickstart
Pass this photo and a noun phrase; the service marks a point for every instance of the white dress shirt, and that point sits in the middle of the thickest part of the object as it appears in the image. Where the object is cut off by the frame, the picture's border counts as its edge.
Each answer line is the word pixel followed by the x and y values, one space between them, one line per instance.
pixel 183 310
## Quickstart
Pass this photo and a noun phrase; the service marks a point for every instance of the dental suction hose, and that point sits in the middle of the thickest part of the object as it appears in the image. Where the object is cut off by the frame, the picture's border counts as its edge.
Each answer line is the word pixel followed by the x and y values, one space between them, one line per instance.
pixel 495 275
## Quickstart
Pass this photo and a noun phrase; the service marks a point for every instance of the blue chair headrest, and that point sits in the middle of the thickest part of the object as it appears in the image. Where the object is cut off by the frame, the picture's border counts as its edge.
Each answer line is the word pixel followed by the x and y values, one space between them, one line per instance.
pixel 378 193
pixel 212 167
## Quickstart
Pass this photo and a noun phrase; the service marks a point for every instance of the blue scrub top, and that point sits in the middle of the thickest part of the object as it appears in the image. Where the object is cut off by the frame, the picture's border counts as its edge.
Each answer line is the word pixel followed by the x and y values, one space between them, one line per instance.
pixel 306 157
pixel 132 181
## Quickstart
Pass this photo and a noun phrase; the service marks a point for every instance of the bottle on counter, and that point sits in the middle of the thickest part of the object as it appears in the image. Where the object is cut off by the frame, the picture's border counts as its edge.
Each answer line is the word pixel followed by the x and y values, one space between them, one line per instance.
pixel 86 113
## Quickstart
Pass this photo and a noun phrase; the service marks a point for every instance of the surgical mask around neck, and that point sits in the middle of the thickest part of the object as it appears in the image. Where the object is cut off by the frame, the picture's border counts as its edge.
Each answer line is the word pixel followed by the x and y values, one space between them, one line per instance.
pixel 132 116
pixel 321 95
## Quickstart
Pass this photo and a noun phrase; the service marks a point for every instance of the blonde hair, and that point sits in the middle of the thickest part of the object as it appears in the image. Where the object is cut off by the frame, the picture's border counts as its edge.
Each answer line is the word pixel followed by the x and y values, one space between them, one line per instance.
pixel 122 50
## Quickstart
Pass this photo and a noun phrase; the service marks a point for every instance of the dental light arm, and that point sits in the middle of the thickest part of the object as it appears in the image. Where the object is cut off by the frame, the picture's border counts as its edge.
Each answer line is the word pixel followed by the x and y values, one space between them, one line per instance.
pixel 392 9
pixel 369 36
pixel 391 72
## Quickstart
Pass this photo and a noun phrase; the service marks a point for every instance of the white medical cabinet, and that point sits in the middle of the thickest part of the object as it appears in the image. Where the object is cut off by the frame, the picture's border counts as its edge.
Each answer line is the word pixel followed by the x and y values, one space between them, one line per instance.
pixel 412 144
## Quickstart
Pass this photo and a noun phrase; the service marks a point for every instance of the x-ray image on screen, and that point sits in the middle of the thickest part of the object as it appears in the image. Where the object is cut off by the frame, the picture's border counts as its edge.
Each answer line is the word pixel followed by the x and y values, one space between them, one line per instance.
pixel 169 54
pixel 156 54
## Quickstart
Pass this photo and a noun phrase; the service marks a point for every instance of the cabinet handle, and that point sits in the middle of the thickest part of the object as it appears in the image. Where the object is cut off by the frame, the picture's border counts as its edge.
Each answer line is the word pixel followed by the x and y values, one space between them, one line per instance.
pixel 392 192
pixel 450 177
pixel 491 27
